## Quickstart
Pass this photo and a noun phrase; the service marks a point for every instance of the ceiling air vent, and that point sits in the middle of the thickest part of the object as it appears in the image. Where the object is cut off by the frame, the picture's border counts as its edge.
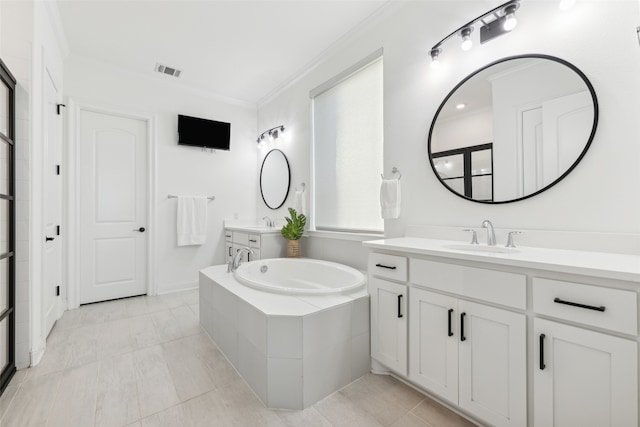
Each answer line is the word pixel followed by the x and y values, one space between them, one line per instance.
pixel 168 70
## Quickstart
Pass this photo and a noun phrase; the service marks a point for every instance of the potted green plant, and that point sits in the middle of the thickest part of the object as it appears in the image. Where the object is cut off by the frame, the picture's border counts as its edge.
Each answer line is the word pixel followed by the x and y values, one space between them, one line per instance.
pixel 293 232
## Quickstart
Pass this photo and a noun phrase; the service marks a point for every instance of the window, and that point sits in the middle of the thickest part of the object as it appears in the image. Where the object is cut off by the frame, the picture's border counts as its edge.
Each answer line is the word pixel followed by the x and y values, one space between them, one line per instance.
pixel 347 149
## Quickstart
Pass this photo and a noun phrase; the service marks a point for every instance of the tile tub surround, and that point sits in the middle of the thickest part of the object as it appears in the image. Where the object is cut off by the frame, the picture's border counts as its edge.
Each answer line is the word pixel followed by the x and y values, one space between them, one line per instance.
pixel 292 350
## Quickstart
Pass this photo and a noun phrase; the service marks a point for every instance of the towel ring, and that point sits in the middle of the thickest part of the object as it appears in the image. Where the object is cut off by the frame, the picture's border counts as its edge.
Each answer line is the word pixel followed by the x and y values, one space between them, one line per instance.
pixel 393 170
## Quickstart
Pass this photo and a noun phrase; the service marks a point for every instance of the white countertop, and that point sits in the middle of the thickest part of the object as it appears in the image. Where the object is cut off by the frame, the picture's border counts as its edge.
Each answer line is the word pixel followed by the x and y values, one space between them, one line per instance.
pixel 254 229
pixel 596 264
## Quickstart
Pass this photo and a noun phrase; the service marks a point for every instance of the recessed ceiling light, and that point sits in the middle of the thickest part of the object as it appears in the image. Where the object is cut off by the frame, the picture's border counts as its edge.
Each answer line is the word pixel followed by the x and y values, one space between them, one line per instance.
pixel 460 106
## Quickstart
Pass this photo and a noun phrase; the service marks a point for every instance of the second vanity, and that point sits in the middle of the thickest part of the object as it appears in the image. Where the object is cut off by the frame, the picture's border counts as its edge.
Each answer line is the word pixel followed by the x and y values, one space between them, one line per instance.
pixel 526 337
pixel 266 242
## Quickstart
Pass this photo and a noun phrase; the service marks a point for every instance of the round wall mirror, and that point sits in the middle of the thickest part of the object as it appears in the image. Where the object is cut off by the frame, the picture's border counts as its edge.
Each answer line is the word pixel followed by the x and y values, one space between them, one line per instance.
pixel 275 179
pixel 513 129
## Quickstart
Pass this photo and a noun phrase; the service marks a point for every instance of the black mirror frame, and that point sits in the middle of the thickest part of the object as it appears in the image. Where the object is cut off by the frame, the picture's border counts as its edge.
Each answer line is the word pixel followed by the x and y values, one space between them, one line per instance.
pixel 289 180
pixel 509 58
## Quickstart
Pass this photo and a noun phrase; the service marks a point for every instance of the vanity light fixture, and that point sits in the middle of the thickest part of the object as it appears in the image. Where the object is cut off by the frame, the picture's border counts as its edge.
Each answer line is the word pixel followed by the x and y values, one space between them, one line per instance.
pixel 496 22
pixel 272 134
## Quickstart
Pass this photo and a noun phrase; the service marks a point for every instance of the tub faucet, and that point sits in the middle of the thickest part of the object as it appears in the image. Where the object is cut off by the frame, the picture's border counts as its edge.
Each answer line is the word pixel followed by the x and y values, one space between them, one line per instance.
pixel 235 262
pixel 269 221
pixel 491 235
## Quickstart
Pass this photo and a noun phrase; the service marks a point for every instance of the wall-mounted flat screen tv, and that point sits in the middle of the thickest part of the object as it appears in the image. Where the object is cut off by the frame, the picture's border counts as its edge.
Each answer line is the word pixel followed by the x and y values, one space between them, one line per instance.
pixel 198 132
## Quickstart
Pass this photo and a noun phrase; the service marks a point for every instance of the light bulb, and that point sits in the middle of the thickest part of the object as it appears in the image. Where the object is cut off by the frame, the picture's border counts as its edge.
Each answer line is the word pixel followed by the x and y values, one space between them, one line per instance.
pixel 466 43
pixel 510 23
pixel 466 38
pixel 270 136
pixel 435 52
pixel 566 4
pixel 460 106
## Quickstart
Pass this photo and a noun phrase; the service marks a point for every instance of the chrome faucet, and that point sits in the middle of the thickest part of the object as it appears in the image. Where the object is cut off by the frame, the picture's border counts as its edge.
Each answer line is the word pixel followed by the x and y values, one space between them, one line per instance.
pixel 491 235
pixel 235 262
pixel 269 221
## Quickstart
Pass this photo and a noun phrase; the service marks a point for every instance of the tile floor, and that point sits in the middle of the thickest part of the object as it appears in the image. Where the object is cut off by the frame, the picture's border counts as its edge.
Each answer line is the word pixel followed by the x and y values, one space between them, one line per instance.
pixel 145 362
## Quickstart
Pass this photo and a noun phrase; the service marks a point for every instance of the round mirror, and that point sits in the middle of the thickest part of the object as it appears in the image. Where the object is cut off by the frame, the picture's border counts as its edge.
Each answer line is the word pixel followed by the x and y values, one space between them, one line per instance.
pixel 275 179
pixel 513 129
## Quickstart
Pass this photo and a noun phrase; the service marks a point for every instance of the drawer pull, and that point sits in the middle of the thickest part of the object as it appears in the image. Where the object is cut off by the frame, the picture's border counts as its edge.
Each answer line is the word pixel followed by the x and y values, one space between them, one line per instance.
pixel 252 241
pixel 399 306
pixel 386 266
pixel 462 337
pixel 575 304
pixel 542 365
pixel 449 331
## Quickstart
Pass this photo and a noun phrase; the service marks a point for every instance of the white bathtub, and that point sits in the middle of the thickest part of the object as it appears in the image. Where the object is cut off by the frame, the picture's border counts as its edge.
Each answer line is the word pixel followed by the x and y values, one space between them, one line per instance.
pixel 300 276
pixel 293 349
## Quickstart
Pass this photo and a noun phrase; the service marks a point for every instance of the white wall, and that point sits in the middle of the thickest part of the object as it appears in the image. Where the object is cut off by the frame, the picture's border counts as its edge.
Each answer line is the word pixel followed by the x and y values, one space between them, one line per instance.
pixel 16 39
pixel 229 176
pixel 600 195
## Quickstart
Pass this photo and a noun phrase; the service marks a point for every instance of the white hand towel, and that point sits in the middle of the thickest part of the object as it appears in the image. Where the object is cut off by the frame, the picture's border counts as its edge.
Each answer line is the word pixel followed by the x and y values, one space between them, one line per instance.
pixel 300 204
pixel 390 198
pixel 192 220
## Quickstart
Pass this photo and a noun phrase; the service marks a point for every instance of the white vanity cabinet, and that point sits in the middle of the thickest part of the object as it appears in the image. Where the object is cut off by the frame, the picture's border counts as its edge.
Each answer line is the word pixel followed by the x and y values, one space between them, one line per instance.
pixel 266 243
pixel 389 310
pixel 537 337
pixel 583 377
pixel 468 353
pixel 389 324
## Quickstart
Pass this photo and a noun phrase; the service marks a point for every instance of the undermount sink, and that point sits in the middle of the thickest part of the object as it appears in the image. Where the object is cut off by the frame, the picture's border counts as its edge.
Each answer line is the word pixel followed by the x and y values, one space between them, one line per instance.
pixel 482 248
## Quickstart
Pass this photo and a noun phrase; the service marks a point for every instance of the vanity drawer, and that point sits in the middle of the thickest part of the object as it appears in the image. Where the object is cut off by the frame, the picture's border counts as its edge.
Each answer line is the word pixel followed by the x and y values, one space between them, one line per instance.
pixel 241 239
pixel 388 266
pixel 254 240
pixel 584 303
pixel 499 287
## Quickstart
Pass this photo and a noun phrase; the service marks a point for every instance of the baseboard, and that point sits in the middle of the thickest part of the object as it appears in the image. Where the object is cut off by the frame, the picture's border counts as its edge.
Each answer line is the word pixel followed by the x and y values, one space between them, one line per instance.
pixel 177 287
pixel 36 354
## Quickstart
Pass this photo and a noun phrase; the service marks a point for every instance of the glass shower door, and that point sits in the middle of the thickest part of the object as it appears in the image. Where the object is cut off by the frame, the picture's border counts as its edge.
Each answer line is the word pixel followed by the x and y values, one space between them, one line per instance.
pixel 7 227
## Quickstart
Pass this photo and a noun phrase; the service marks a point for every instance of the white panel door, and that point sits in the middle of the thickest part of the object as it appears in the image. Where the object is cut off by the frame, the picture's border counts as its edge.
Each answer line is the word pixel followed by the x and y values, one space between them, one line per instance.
pixel 530 164
pixel 52 214
pixel 567 122
pixel 583 378
pixel 433 342
pixel 389 324
pixel 113 201
pixel 493 364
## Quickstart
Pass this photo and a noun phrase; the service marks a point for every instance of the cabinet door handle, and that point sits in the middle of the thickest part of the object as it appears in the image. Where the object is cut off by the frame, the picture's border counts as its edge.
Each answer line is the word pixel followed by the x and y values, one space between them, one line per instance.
pixel 399 306
pixel 575 304
pixel 48 239
pixel 462 337
pixel 230 249
pixel 449 331
pixel 386 266
pixel 542 365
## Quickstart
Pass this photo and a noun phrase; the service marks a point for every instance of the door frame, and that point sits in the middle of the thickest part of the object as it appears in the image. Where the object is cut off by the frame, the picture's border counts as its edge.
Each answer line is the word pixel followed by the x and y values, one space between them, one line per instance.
pixel 61 303
pixel 72 187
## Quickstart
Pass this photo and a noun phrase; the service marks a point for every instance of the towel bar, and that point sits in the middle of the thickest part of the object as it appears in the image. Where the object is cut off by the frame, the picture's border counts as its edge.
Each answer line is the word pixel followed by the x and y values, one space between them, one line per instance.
pixel 171 196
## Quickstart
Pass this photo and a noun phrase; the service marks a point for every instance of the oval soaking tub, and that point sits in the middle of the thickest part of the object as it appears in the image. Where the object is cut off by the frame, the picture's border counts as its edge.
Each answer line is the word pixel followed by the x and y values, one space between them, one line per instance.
pixel 300 276
pixel 296 343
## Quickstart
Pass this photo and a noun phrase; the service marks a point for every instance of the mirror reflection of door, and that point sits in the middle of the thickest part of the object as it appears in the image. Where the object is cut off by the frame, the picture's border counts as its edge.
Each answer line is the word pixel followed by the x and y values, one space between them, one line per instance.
pixel 467 170
pixel 540 114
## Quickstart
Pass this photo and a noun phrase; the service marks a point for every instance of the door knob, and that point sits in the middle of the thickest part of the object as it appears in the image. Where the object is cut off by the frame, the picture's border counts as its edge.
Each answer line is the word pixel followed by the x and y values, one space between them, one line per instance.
pixel 141 229
pixel 48 239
